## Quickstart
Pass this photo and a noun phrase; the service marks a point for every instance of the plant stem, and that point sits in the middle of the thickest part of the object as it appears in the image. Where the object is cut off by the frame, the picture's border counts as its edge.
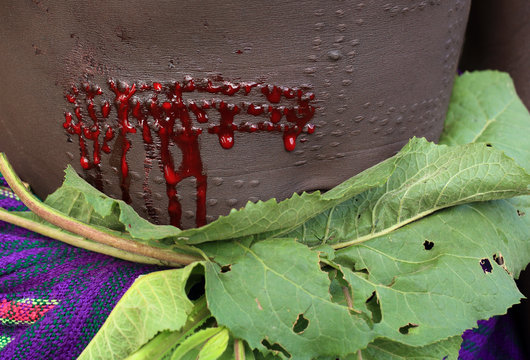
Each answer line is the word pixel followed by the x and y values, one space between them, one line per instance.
pixel 74 240
pixel 239 350
pixel 57 218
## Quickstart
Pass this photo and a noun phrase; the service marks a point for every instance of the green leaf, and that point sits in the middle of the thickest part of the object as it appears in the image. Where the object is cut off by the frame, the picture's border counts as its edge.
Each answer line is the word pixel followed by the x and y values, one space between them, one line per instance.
pixel 270 217
pixel 154 303
pixel 427 178
pixel 81 201
pixel 485 108
pixel 206 344
pixel 383 349
pixel 215 346
pixel 415 286
pixel 436 277
pixel 277 298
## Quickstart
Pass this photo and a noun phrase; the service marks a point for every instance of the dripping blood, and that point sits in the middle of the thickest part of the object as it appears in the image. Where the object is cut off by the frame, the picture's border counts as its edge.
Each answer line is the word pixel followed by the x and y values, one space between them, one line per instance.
pixel 172 124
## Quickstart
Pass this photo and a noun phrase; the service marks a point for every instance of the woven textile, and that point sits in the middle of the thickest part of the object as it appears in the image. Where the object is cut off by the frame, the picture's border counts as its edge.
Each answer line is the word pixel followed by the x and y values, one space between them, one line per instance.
pixel 55 297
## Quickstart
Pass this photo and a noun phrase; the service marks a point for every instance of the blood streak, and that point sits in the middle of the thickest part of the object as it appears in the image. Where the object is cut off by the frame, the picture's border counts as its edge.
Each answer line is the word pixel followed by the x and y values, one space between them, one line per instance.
pixel 123 95
pixel 172 125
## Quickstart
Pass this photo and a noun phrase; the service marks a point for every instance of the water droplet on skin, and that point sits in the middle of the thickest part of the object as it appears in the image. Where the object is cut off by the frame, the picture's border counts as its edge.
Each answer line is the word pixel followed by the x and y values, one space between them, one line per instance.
pixel 321 157
pixel 300 163
pixel 383 122
pixel 310 70
pixel 231 202
pixel 254 183
pixel 341 27
pixel 346 82
pixel 212 202
pixel 319 12
pixel 337 133
pixel 366 105
pixel 340 155
pixel 317 41
pixel 356 132
pixel 340 13
pixel 334 144
pixel 339 39
pixel 158 196
pixel 349 69
pixel 315 147
pixel 334 55
pixel 189 214
pixel 319 26
pixel 135 175
pixel 70 155
pixel 355 42
pixel 217 181
pixel 239 184
pixel 312 58
pixel 358 118
pixel 359 21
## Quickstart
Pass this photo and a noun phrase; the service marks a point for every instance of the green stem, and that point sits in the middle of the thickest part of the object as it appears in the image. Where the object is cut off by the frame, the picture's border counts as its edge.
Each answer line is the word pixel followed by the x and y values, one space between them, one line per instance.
pixel 165 341
pixel 57 218
pixel 239 349
pixel 73 239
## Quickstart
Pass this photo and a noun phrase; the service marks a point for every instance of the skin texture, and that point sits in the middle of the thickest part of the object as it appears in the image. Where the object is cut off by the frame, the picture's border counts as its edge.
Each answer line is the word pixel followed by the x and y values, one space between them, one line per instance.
pixel 380 72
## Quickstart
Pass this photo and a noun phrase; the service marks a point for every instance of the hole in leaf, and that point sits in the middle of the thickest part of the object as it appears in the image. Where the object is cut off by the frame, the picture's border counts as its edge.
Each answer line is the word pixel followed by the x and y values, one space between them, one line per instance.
pixel 277 348
pixel 488 145
pixel 486 265
pixel 226 268
pixel 520 213
pixel 300 324
pixel 405 329
pixel 195 286
pixel 498 258
pixel 364 271
pixel 428 245
pixel 375 308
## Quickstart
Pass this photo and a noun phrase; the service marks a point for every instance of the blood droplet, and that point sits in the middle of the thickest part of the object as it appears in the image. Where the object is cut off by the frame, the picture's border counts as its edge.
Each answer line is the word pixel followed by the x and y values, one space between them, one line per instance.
pixel 172 124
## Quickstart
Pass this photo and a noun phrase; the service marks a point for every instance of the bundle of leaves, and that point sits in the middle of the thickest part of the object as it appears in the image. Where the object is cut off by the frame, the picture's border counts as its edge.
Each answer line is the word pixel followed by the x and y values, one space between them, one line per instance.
pixel 396 262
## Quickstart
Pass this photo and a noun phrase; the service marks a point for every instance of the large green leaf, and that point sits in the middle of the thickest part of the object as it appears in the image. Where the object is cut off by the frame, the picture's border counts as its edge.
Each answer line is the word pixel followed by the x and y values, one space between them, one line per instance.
pixel 427 178
pixel 272 289
pixel 270 217
pixel 156 302
pixel 413 285
pixel 425 282
pixel 485 108
pixel 436 277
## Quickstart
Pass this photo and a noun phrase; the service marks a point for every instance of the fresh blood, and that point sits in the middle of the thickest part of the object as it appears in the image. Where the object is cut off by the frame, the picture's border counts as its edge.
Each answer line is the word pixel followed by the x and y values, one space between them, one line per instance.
pixel 159 111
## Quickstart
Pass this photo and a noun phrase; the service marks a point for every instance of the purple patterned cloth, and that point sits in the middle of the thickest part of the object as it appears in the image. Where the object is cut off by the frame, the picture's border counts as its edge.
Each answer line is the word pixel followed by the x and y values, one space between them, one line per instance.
pixel 55 297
